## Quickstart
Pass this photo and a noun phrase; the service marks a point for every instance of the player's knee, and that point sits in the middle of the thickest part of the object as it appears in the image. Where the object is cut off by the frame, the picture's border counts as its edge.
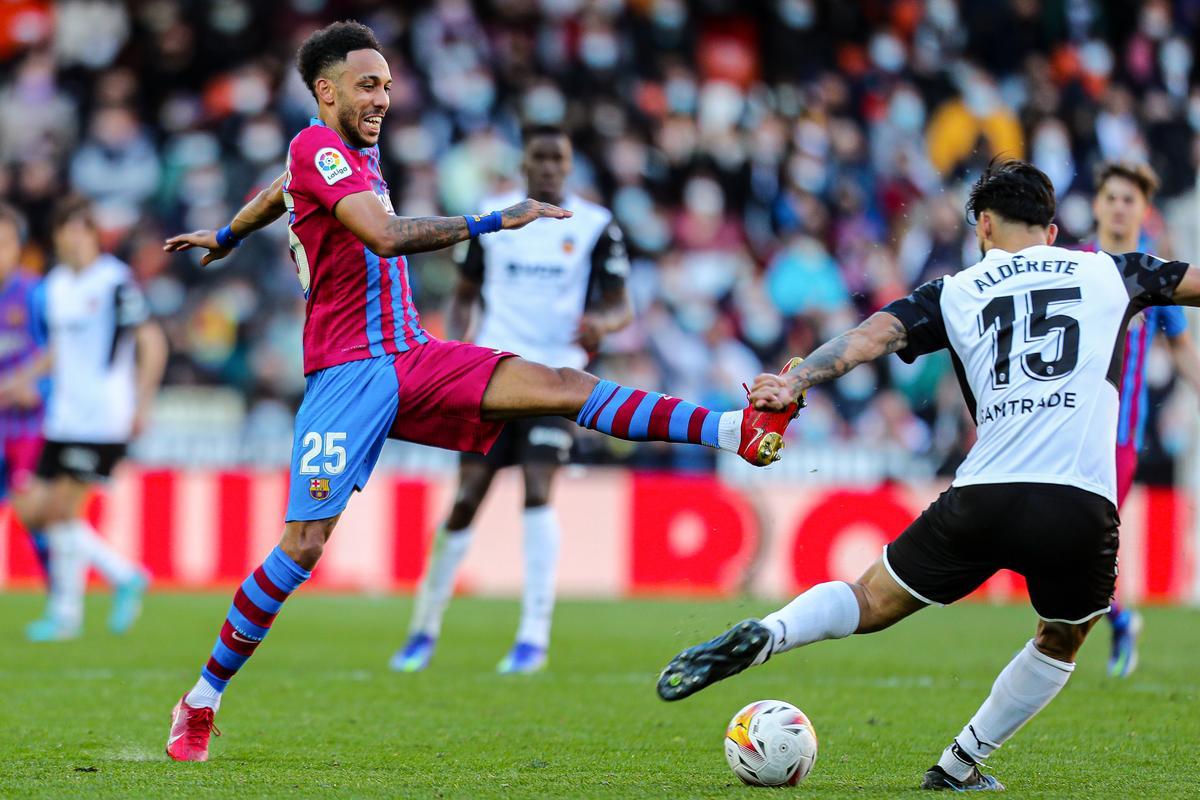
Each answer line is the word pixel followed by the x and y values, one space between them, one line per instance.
pixel 574 385
pixel 306 551
pixel 304 542
pixel 1060 641
pixel 537 494
pixel 872 610
pixel 30 514
pixel 462 513
pixel 35 516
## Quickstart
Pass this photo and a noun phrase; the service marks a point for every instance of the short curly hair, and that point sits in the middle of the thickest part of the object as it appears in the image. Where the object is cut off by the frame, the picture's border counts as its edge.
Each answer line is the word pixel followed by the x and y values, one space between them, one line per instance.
pixel 329 46
pixel 1138 173
pixel 1016 190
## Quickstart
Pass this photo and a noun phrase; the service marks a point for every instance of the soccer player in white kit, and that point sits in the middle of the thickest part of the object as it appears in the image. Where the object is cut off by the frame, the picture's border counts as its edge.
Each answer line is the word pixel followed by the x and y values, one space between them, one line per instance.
pixel 1036 334
pixel 549 292
pixel 106 361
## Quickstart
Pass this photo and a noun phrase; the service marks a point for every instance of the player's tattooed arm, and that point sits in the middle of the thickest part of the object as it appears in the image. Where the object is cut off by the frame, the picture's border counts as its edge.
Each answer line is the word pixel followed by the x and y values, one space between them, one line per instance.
pixel 398 236
pixel 879 335
pixel 263 209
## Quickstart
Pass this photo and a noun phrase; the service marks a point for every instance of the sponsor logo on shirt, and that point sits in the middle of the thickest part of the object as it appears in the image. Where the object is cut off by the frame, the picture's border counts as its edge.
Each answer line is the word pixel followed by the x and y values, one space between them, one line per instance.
pixel 332 165
pixel 536 271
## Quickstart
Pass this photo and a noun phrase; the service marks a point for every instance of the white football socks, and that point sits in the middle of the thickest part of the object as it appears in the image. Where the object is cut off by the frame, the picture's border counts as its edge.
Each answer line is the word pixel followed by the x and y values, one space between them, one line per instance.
pixel 203 695
pixel 68 574
pixel 449 549
pixel 115 568
pixel 729 431
pixel 541 560
pixel 826 611
pixel 1023 688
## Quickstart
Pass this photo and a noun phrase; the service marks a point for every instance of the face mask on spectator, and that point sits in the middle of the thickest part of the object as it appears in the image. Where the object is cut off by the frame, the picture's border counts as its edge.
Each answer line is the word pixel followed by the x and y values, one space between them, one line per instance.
pixel 681 96
pixel 544 105
pixel 797 14
pixel 703 196
pixel 906 111
pixel 942 14
pixel 598 49
pixel 669 14
pixel 261 142
pixel 478 93
pixel 1176 59
pixel 887 52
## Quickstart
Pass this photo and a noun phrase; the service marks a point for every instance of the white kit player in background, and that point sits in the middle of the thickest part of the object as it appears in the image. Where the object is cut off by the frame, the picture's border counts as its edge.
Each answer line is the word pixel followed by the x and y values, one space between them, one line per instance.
pixel 549 293
pixel 1036 334
pixel 106 359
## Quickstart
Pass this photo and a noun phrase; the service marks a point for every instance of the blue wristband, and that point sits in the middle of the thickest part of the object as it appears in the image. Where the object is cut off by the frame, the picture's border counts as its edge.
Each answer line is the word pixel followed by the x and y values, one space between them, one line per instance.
pixel 226 239
pixel 488 223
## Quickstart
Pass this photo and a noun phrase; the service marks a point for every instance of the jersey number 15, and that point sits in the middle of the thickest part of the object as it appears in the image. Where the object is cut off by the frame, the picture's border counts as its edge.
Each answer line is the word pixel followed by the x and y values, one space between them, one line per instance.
pixel 999 316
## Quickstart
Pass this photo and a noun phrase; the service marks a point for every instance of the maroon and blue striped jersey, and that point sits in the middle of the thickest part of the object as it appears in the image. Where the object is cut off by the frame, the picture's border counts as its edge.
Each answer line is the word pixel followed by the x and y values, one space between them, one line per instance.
pixel 19 343
pixel 360 304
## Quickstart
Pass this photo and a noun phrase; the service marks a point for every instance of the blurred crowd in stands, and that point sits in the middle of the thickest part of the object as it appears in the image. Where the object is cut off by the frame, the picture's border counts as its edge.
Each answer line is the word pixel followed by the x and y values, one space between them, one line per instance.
pixel 781 168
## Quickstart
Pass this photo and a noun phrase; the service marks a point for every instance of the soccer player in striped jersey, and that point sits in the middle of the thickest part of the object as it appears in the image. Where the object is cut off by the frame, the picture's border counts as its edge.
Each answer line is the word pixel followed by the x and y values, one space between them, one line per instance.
pixel 1124 191
pixel 21 356
pixel 373 372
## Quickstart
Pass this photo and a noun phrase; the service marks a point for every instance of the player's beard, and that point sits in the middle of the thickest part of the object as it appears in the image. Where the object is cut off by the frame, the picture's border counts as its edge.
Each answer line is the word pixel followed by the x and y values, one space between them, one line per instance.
pixel 348 119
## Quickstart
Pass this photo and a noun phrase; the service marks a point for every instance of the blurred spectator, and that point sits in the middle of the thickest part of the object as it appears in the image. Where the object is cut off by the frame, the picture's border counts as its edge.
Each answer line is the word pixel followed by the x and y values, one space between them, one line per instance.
pixel 780 169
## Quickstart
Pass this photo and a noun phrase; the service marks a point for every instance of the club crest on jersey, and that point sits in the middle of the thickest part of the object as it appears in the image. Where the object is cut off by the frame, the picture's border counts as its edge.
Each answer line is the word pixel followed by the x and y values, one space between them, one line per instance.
pixel 332 165
pixel 568 245
pixel 318 488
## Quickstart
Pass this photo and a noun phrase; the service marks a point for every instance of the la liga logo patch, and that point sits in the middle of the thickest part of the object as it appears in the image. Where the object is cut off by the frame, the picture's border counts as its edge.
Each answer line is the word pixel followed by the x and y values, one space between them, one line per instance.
pixel 332 165
pixel 318 488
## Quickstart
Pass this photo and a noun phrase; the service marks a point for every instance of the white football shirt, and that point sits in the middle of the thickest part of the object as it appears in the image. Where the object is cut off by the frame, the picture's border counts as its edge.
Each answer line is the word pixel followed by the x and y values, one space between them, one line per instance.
pixel 90 316
pixel 537 280
pixel 1037 339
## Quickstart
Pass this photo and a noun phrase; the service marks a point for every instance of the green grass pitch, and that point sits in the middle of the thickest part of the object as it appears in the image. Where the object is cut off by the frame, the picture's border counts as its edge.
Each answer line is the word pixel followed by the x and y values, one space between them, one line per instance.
pixel 317 714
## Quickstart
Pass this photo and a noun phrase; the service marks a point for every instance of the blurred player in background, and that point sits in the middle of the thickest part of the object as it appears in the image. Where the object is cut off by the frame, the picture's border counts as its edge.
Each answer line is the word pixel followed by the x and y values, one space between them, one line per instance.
pixel 106 359
pixel 22 362
pixel 372 371
pixel 550 292
pixel 1124 192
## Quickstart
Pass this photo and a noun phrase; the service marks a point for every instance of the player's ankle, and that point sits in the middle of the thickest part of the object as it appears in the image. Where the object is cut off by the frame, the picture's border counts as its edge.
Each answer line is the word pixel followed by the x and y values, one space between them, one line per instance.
pixel 768 649
pixel 203 695
pixel 956 762
pixel 729 431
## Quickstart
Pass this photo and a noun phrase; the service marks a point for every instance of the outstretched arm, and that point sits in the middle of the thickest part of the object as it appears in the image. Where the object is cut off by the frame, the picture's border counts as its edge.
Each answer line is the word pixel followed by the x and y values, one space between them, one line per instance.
pixel 611 314
pixel 1187 360
pixel 1187 293
pixel 266 207
pixel 389 236
pixel 460 319
pixel 879 335
pixel 151 351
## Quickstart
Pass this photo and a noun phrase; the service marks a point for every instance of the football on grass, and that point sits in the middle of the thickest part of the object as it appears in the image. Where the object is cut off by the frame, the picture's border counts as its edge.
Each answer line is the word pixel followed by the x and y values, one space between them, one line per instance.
pixel 770 743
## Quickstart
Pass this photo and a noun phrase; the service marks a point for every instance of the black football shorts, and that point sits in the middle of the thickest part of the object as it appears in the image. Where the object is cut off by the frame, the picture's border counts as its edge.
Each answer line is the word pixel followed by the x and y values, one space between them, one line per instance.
pixel 90 462
pixel 1062 539
pixel 537 440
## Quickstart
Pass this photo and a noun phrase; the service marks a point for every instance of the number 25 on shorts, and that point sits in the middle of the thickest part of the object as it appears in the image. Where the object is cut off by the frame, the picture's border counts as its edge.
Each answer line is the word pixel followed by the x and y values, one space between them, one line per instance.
pixel 314 444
